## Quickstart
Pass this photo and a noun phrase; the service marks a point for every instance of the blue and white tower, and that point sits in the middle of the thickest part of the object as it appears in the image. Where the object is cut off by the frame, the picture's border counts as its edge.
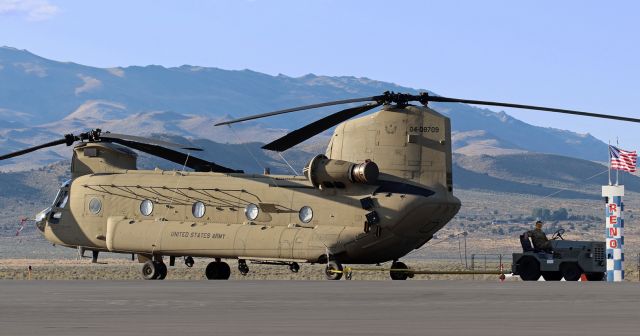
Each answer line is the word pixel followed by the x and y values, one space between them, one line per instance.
pixel 614 226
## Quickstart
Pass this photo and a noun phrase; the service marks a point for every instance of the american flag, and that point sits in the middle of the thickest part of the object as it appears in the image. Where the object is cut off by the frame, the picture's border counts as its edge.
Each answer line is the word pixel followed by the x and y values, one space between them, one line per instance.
pixel 622 159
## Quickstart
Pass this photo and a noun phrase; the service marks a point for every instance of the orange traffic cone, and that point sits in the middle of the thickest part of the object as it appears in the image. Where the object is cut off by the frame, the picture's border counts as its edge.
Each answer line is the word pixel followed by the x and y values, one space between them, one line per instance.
pixel 583 277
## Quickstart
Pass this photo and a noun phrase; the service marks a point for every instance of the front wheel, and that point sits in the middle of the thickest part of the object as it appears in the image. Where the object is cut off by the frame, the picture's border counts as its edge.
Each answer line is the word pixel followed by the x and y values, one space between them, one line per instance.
pixel 150 270
pixel 162 270
pixel 218 270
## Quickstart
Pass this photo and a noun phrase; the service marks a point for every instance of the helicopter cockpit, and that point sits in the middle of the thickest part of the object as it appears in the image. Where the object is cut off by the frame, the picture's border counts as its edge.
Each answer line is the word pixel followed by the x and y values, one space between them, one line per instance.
pixel 53 214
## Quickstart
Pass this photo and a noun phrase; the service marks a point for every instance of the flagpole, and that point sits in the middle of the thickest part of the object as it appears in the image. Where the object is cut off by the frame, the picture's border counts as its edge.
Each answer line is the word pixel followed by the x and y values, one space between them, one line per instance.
pixel 617 170
pixel 609 162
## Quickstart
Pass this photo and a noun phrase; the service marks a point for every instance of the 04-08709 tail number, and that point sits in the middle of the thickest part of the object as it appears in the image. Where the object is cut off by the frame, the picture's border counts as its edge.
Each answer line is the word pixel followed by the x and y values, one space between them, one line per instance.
pixel 424 129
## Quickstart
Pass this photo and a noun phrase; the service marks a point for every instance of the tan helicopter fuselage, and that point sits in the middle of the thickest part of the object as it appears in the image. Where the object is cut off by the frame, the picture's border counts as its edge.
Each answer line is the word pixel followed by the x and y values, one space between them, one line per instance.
pixel 113 207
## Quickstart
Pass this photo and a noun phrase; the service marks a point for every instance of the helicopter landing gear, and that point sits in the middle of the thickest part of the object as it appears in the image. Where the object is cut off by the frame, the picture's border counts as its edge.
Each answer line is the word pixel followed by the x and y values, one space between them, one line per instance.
pixel 218 270
pixel 189 261
pixel 154 270
pixel 162 270
pixel 333 271
pixel 294 267
pixel 396 272
pixel 243 267
pixel 149 271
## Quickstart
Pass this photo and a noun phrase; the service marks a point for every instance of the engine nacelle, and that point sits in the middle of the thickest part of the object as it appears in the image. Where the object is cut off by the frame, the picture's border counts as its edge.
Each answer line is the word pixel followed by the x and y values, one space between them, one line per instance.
pixel 101 157
pixel 327 173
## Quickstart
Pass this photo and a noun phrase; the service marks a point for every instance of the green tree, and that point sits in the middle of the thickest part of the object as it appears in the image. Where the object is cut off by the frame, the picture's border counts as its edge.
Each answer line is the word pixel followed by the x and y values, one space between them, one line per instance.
pixel 560 214
pixel 541 213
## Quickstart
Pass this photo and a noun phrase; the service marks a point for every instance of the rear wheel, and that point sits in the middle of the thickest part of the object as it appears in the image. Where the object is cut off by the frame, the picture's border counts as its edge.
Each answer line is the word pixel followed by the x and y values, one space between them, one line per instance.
pixel 570 271
pixel 333 271
pixel 529 269
pixel 551 276
pixel 399 275
pixel 597 276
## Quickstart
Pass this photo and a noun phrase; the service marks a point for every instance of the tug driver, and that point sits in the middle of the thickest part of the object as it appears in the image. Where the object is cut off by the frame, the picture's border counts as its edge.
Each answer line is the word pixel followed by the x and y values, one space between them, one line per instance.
pixel 540 240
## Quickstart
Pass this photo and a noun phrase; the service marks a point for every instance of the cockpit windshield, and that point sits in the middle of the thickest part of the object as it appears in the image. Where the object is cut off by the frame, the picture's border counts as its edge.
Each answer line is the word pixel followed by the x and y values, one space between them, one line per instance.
pixel 63 195
pixel 60 201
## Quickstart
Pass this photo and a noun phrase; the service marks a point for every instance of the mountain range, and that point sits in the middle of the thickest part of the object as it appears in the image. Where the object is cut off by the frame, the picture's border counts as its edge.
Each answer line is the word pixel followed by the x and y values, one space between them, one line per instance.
pixel 41 99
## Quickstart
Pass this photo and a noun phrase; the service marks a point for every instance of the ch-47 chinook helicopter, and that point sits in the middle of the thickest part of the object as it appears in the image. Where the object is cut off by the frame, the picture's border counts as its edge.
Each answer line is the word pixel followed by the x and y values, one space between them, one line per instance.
pixel 382 189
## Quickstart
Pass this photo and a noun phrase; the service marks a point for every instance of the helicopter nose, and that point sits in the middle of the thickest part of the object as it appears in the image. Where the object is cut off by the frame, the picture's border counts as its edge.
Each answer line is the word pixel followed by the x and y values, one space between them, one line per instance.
pixel 41 218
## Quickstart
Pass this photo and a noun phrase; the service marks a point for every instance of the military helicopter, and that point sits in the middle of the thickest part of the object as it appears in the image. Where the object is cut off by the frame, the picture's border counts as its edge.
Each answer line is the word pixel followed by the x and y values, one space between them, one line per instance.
pixel 383 188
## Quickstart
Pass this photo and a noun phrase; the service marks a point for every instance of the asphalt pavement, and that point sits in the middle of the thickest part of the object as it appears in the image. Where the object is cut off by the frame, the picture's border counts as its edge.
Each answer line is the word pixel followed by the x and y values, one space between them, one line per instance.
pixel 318 308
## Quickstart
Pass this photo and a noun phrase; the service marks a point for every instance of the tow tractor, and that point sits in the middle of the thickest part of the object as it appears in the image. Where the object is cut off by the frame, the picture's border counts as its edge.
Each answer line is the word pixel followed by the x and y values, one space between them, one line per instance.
pixel 567 259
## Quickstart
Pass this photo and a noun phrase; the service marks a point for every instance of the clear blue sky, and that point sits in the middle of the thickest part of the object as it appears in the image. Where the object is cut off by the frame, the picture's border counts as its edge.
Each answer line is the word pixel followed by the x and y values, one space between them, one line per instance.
pixel 570 54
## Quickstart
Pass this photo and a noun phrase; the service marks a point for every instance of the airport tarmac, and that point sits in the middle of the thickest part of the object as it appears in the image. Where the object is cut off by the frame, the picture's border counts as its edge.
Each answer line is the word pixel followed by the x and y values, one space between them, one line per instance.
pixel 318 308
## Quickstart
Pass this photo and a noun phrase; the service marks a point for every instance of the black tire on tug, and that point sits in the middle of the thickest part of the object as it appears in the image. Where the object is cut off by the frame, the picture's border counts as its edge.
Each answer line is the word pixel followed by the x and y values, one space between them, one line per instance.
pixel 149 270
pixel 399 275
pixel 529 269
pixel 333 266
pixel 570 271
pixel 597 276
pixel 551 276
pixel 162 270
pixel 218 270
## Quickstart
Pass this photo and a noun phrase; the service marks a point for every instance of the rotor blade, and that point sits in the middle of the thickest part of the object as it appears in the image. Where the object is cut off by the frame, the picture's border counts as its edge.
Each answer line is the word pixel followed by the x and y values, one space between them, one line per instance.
pixel 530 107
pixel 317 127
pixel 192 162
pixel 147 141
pixel 299 108
pixel 35 148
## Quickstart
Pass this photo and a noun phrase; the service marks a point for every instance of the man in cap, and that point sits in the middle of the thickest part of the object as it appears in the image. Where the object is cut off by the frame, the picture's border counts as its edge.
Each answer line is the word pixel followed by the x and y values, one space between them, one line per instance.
pixel 539 239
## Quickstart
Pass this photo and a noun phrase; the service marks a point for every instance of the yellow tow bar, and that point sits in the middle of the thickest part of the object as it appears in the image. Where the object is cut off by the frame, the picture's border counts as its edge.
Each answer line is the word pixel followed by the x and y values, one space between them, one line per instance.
pixel 348 271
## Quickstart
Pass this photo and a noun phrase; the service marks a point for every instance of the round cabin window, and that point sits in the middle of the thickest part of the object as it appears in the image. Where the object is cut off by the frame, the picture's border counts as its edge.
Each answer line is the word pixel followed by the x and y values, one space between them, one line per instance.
pixel 251 211
pixel 95 205
pixel 305 214
pixel 146 207
pixel 198 209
